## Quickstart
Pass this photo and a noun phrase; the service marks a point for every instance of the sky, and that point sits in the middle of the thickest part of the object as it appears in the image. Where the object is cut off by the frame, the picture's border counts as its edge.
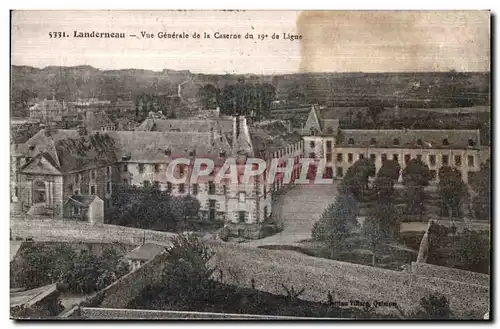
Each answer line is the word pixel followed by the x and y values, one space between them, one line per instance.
pixel 332 41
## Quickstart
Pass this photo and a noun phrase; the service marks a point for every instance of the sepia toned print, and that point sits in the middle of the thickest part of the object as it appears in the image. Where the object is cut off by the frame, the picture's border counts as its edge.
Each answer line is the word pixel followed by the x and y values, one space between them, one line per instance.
pixel 250 165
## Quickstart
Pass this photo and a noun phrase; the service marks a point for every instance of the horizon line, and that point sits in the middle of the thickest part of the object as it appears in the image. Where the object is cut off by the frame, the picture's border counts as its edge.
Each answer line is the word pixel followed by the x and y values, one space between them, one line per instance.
pixel 243 73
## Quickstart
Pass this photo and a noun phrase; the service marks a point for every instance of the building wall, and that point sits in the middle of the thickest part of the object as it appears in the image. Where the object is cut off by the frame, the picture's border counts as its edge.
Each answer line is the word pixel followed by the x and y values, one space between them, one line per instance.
pixel 96 211
pixel 53 191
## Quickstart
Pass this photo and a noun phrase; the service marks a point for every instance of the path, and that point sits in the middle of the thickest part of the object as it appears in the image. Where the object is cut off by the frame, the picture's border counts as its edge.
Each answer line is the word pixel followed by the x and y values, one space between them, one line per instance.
pixel 299 208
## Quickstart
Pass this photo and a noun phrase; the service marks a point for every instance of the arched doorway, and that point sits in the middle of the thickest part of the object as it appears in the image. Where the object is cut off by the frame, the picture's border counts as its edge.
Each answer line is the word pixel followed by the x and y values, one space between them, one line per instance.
pixel 39 192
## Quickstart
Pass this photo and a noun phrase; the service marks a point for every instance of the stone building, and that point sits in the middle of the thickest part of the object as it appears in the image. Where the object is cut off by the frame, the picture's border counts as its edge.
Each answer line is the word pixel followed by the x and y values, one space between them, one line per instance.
pixel 340 148
pixel 54 166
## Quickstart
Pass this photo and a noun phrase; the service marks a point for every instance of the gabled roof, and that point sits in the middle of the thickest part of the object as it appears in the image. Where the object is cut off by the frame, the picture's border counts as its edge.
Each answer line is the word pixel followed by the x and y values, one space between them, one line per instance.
pixel 185 125
pixel 83 200
pixel 43 164
pixel 40 142
pixel 151 146
pixel 408 138
pixel 312 122
pixel 145 252
pixel 29 298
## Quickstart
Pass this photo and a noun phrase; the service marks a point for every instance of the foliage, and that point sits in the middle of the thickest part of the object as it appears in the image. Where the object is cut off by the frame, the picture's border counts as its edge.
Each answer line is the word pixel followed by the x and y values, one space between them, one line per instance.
pixel 208 95
pixel 473 252
pixel 335 223
pixel 243 98
pixel 356 178
pixel 151 208
pixel 435 307
pixel 82 271
pixel 375 108
pixel 481 185
pixel 186 276
pixel 382 224
pixel 416 176
pixel 452 191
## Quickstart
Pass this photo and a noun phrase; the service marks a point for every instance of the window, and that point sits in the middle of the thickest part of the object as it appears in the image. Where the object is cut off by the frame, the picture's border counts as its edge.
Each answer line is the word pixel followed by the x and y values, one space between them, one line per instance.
pixel 169 187
pixel 157 168
pixel 241 216
pixel 78 178
pixel 76 210
pixel 241 232
pixel 108 171
pixel 340 172
pixel 241 196
pixel 432 159
pixel 146 183
pixel 194 189
pixel 361 156
pixel 182 188
pixel 419 157
pixel 125 181
pixel 384 157
pixel 470 160
pixel 373 157
pixel 92 189
pixel 312 144
pixel 395 141
pixel 433 174
pixel 125 167
pixel 445 160
pixel 181 170
pixel 407 158
pixel 373 141
pixel 471 142
pixel 141 168
pixel 350 141
pixel 192 153
pixel 108 187
pixel 350 157
pixel 445 141
pixel 395 157
pixel 92 174
pixel 265 212
pixel 329 130
pixel 168 152
pixel 224 187
pixel 265 191
pixel 211 188
pixel 458 160
pixel 156 184
pixel 328 146
pixel 339 157
pixel 328 157
pixel 419 142
pixel 312 155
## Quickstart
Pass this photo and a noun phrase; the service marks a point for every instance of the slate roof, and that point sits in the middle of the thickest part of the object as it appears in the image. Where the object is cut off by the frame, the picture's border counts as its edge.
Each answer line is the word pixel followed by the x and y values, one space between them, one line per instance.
pixel 83 200
pixel 408 138
pixel 95 120
pixel 145 252
pixel 185 125
pixel 150 146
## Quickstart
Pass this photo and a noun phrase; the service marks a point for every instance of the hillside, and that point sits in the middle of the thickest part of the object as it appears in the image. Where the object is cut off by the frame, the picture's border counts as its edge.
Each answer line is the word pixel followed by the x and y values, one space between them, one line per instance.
pixel 426 89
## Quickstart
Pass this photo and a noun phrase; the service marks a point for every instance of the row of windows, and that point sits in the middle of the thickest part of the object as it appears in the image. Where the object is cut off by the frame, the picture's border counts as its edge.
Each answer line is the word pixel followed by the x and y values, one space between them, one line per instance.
pixel 288 150
pixel 93 174
pixel 445 159
pixel 396 142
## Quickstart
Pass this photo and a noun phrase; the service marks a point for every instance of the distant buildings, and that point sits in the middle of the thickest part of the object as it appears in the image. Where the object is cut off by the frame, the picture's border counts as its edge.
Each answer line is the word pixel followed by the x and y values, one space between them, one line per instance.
pixel 47 110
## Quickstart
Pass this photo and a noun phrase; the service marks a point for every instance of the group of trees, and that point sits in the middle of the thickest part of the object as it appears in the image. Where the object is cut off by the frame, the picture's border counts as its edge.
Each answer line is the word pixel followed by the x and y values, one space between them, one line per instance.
pixel 481 186
pixel 80 270
pixel 241 98
pixel 151 208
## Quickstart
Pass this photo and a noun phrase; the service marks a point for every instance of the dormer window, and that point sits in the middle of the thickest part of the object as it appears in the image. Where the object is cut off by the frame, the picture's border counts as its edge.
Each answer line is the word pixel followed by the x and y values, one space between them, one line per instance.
pixel 395 141
pixel 222 154
pixel 419 142
pixel 32 147
pixel 373 141
pixel 168 152
pixel 445 141
pixel 350 141
pixel 472 142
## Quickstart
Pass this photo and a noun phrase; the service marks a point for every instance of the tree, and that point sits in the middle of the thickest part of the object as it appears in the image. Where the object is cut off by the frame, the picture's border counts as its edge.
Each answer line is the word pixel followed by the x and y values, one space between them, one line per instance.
pixel 375 108
pixel 187 275
pixel 184 208
pixel 481 186
pixel 336 221
pixel 207 94
pixel 452 191
pixel 416 176
pixel 356 178
pixel 473 252
pixel 435 306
